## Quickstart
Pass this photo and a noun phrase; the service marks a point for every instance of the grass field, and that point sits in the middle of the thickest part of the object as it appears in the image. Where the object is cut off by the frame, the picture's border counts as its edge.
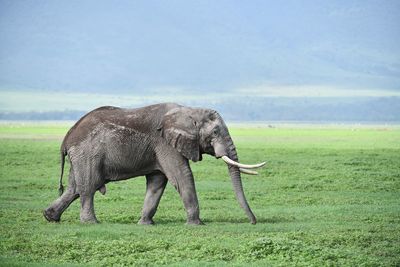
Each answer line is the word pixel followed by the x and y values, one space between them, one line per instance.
pixel 328 197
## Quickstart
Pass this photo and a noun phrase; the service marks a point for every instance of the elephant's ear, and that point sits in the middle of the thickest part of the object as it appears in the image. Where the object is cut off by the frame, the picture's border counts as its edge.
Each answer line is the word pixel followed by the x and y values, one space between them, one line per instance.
pixel 181 131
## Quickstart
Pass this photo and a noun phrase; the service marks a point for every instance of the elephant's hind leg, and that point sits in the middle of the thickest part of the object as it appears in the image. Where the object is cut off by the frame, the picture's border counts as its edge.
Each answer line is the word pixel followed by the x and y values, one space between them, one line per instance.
pixel 54 211
pixel 88 181
pixel 87 209
pixel 155 185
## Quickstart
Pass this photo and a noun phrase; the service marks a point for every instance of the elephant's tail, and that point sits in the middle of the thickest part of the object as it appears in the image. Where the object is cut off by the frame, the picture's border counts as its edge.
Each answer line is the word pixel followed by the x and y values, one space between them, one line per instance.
pixel 63 153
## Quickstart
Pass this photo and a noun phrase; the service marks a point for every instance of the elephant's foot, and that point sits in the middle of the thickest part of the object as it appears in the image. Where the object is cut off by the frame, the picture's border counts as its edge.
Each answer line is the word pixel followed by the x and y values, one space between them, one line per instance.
pixel 89 220
pixel 195 222
pixel 144 221
pixel 50 215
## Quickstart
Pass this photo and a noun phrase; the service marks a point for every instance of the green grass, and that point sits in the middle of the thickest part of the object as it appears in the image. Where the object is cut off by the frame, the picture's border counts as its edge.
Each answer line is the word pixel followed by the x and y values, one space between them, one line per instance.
pixel 327 197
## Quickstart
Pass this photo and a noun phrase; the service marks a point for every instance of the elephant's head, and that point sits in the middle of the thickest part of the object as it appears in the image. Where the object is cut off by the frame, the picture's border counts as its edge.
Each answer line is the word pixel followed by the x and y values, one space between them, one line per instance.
pixel 195 131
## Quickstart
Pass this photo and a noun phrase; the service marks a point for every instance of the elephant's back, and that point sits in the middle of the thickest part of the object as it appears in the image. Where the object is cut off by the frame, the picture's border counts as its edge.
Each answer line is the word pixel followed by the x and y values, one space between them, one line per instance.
pixel 145 119
pixel 85 125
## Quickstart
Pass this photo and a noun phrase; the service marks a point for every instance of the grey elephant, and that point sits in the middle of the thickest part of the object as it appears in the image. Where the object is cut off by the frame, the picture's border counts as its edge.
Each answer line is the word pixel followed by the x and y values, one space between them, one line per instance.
pixel 111 144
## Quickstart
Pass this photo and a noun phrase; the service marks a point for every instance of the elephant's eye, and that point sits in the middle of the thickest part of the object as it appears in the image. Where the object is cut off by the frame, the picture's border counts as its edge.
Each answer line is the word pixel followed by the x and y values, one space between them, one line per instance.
pixel 215 132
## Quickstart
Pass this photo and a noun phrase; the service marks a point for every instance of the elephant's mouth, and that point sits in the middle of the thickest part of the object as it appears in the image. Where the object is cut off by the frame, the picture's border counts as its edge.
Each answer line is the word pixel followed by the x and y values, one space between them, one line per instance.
pixel 244 168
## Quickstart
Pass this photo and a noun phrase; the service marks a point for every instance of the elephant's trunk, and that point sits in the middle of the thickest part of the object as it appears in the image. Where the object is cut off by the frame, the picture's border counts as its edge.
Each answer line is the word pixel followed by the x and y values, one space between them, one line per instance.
pixel 234 172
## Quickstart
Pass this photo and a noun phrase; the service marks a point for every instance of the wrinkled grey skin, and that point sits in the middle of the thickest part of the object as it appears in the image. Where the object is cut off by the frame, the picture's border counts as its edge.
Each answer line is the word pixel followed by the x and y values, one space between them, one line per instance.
pixel 111 144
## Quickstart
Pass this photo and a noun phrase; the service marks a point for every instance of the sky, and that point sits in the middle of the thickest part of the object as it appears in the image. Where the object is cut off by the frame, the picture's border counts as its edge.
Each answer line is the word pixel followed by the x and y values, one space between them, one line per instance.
pixel 200 48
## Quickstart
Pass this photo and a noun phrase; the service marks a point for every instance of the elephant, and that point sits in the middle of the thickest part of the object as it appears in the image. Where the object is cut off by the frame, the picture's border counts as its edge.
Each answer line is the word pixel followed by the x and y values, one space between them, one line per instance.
pixel 157 141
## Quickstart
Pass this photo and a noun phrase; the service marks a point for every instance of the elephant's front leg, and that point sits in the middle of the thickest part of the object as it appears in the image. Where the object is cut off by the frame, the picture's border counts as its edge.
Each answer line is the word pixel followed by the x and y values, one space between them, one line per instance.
pixel 180 175
pixel 155 185
pixel 187 190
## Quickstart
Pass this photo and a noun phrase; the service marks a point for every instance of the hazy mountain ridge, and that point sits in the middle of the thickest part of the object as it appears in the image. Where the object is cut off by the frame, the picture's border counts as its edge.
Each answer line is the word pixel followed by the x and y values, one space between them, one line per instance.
pixel 102 47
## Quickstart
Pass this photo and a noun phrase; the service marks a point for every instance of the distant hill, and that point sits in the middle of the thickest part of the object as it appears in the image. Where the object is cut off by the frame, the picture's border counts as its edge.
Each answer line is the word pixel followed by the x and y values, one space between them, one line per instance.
pixel 251 61
pixel 104 47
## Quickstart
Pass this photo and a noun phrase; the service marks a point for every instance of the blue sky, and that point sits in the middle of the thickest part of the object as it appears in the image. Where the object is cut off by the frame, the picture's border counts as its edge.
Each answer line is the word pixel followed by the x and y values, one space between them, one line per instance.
pixel 309 48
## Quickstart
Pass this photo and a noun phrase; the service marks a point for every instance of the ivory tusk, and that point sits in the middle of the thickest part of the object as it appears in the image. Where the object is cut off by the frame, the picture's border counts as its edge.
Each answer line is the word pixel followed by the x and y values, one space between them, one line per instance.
pixel 246 171
pixel 240 165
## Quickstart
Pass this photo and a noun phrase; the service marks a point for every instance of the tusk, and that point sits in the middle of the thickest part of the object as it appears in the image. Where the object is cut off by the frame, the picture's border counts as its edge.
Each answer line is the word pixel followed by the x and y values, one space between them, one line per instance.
pixel 246 171
pixel 245 166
